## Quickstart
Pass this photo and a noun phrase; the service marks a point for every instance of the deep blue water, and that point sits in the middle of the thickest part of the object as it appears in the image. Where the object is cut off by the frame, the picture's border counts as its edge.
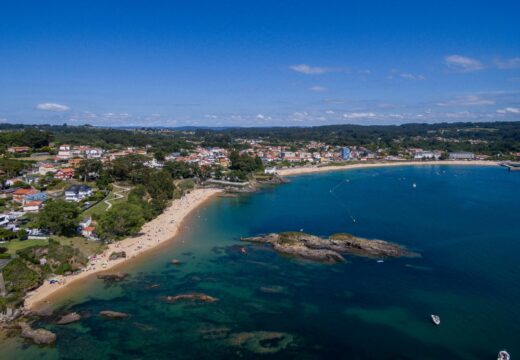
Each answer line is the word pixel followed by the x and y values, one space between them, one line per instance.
pixel 465 221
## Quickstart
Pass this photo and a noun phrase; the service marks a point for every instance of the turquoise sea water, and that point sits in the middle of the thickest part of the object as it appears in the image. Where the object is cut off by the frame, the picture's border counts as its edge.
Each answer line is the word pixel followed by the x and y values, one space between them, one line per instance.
pixel 465 221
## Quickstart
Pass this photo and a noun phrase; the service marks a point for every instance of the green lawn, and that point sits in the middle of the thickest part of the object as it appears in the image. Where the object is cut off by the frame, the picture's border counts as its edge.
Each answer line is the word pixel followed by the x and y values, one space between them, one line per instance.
pixel 14 245
pixel 101 207
pixel 87 247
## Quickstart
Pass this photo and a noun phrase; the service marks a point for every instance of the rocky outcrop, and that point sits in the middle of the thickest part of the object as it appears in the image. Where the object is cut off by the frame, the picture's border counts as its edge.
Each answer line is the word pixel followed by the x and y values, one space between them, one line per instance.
pixel 193 297
pixel 117 277
pixel 37 336
pixel 9 315
pixel 214 333
pixel 117 255
pixel 113 314
pixel 275 179
pixel 330 249
pixel 262 342
pixel 69 318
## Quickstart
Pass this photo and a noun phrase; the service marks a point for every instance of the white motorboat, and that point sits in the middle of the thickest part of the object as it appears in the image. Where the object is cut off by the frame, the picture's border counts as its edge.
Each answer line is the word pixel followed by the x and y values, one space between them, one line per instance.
pixel 503 355
pixel 436 319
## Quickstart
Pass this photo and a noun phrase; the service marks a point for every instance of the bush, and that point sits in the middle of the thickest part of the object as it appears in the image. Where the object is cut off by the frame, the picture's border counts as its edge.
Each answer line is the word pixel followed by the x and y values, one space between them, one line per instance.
pixel 63 268
pixel 18 277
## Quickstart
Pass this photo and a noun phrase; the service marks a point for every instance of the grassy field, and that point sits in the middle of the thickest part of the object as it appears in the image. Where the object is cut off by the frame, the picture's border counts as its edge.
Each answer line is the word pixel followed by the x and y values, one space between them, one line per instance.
pixel 14 245
pixel 87 247
pixel 102 206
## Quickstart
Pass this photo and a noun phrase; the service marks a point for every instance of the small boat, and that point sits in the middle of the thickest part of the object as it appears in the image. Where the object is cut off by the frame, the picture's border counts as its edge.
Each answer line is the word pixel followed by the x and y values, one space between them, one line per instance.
pixel 436 319
pixel 503 355
pixel 380 261
pixel 414 185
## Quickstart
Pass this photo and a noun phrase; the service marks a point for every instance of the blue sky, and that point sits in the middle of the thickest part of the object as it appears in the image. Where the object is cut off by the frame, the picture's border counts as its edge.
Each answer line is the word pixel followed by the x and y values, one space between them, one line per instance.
pixel 258 63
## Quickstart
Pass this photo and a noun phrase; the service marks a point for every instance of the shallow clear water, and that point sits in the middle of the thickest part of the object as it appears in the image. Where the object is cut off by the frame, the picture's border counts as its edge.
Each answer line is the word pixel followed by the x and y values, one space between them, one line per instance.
pixel 465 221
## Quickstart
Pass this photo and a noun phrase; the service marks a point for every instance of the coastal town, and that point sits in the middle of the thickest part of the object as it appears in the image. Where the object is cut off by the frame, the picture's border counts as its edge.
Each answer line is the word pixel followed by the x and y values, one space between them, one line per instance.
pixel 259 180
pixel 71 210
pixel 63 171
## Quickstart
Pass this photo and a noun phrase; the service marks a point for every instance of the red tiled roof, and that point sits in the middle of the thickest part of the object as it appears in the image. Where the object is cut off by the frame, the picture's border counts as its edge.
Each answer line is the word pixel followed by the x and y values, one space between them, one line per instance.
pixel 33 203
pixel 25 192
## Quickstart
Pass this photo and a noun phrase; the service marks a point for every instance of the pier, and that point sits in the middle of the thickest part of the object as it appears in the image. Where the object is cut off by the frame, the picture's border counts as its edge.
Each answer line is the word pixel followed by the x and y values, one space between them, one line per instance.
pixel 512 166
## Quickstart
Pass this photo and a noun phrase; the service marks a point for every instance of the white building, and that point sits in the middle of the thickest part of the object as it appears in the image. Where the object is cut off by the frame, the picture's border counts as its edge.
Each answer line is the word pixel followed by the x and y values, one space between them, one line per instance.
pixel 64 152
pixel 77 193
pixel 426 155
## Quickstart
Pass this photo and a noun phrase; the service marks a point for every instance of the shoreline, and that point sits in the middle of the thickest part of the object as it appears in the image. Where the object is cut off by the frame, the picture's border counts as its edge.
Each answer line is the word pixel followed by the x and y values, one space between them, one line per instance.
pixel 166 227
pixel 158 231
pixel 317 169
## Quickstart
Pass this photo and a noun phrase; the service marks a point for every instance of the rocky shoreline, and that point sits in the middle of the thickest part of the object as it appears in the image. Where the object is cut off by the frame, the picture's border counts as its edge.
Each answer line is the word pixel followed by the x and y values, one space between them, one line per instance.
pixel 331 249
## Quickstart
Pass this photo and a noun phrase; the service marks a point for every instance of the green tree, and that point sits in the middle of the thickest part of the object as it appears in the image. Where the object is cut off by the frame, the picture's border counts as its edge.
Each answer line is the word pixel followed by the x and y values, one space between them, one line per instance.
pixel 160 185
pixel 89 169
pixel 121 220
pixel 7 235
pixel 181 169
pixel 60 217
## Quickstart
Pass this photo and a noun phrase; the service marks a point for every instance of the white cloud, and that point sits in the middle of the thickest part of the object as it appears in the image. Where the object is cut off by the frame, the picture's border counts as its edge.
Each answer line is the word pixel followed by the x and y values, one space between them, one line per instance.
pixel 359 115
pixel 52 107
pixel 507 64
pixel 509 110
pixel 210 116
pixel 329 112
pixel 260 116
pixel 468 100
pixel 318 88
pixel 461 63
pixel 408 76
pixel 312 70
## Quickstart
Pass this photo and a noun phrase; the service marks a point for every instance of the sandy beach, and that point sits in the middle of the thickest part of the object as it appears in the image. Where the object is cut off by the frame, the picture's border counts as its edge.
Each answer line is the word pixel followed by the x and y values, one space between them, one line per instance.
pixel 158 231
pixel 316 169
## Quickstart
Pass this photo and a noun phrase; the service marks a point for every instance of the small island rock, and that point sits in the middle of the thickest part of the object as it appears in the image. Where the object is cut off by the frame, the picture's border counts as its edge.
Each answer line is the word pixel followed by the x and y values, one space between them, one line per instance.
pixel 38 336
pixel 69 318
pixel 330 249
pixel 190 297
pixel 113 314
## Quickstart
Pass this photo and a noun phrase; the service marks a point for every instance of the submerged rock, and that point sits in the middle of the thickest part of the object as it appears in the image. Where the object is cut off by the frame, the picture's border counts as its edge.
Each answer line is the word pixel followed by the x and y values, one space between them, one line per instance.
pixel 113 314
pixel 330 249
pixel 37 336
pixel 69 318
pixel 262 342
pixel 274 289
pixel 200 297
pixel 214 333
pixel 112 277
